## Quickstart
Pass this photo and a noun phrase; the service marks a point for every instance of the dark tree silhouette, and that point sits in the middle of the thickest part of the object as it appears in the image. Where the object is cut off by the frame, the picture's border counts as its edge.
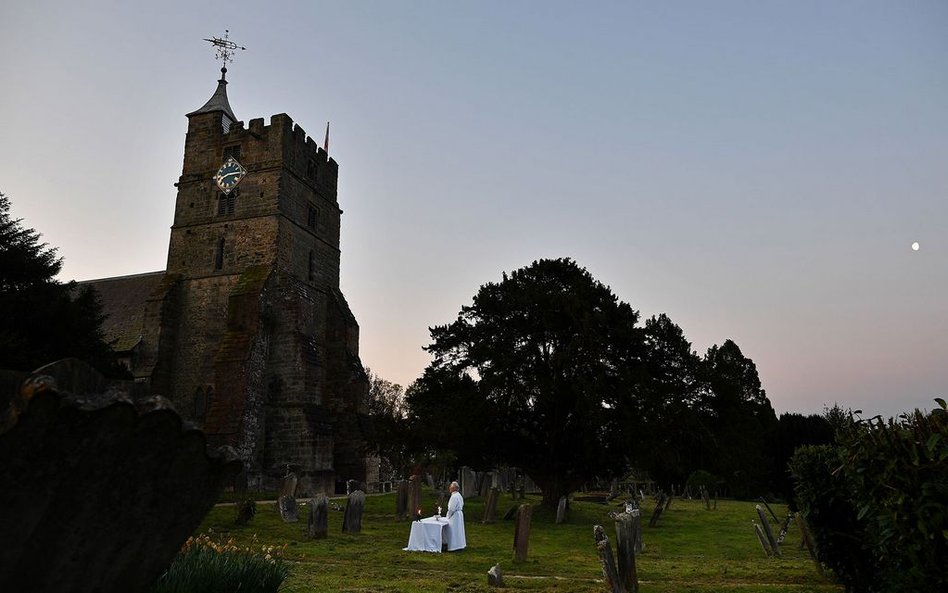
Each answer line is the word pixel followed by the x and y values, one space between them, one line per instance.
pixel 44 319
pixel 552 354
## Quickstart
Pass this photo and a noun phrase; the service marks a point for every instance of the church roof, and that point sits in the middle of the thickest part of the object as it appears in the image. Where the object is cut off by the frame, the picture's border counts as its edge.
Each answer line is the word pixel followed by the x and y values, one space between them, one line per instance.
pixel 123 303
pixel 218 101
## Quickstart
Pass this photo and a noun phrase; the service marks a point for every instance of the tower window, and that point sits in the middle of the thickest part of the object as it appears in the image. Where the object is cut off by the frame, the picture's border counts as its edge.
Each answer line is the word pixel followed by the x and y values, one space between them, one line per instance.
pixel 311 273
pixel 232 151
pixel 311 170
pixel 312 216
pixel 219 257
pixel 227 202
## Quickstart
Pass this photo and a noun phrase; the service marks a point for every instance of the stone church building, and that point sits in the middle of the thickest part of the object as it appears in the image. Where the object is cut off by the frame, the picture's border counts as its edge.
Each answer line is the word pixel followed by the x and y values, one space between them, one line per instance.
pixel 246 331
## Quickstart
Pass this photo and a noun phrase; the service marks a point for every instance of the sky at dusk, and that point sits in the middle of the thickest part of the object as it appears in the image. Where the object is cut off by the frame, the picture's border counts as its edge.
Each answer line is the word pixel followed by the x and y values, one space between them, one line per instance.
pixel 757 170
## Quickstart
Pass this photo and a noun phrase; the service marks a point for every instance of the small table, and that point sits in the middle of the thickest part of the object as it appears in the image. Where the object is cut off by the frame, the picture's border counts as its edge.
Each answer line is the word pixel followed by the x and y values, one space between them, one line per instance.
pixel 427 535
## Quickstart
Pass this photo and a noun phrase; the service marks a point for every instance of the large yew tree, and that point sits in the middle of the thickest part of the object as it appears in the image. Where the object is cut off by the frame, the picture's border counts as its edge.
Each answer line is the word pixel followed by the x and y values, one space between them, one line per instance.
pixel 552 353
pixel 44 319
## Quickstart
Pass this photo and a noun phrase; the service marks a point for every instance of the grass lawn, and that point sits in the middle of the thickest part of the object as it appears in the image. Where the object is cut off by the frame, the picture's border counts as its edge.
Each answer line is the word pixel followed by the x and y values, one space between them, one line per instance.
pixel 691 550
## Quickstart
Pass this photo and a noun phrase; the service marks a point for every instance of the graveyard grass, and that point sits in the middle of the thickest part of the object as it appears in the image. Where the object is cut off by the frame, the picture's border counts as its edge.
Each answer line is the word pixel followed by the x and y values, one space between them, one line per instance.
pixel 692 550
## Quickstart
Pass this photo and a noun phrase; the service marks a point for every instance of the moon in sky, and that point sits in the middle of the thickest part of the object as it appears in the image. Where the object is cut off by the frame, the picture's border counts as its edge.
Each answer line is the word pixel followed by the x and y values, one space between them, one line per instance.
pixel 915 246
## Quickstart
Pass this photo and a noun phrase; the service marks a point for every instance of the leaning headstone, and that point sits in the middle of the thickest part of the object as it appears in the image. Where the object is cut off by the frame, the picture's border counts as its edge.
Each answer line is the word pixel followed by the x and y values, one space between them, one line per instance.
pixel 625 551
pixel 352 521
pixel 494 577
pixel 658 510
pixel 609 571
pixel 486 481
pixel 401 500
pixel 510 514
pixel 318 517
pixel 414 495
pixel 288 484
pixel 668 501
pixel 762 539
pixel 245 511
pixel 561 510
pixel 522 532
pixel 289 511
pixel 490 506
pixel 774 546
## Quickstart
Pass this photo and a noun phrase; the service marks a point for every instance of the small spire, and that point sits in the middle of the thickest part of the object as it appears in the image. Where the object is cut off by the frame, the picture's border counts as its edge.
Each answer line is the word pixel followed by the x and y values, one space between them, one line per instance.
pixel 224 51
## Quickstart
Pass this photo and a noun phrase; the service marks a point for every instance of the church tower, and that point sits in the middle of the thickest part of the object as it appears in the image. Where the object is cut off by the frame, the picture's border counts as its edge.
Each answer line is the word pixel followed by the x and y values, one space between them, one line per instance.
pixel 248 333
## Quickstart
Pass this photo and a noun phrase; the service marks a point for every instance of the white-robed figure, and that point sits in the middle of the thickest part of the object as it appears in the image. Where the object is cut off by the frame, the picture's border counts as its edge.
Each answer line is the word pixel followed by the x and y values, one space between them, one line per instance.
pixel 456 537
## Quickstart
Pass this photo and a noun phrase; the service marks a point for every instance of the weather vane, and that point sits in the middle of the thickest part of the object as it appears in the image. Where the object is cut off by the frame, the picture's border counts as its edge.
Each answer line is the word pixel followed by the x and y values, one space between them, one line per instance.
pixel 224 48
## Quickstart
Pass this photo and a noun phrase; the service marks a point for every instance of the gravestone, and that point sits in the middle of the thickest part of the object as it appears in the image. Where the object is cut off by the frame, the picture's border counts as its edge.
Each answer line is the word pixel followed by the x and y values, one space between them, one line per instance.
pixel 490 506
pixel 414 495
pixel 762 539
pixel 609 570
pixel 99 487
pixel 486 481
pixel 352 521
pixel 244 511
pixel 561 510
pixel 429 479
pixel 768 531
pixel 494 577
pixel 288 484
pixel 522 532
pixel 625 551
pixel 468 482
pixel 240 484
pixel 401 500
pixel 511 513
pixel 636 516
pixel 659 507
pixel 353 485
pixel 318 517
pixel 289 510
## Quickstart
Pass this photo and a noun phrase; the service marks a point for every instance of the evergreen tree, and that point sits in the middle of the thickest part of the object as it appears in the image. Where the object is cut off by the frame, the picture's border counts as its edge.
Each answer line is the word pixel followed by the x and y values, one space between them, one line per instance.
pixel 44 320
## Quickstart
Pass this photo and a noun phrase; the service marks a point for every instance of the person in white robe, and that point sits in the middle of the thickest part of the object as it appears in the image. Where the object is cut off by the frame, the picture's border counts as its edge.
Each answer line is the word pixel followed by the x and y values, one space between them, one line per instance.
pixel 457 540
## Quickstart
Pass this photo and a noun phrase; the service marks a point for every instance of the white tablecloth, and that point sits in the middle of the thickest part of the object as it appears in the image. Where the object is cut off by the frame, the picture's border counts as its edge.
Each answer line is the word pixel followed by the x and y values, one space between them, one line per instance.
pixel 427 534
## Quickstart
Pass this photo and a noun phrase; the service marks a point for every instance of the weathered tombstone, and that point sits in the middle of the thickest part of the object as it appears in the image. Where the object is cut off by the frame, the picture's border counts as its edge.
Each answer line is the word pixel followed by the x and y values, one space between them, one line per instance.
pixel 318 517
pixel 625 550
pixel 352 521
pixel 609 571
pixel 352 486
pixel 772 513
pixel 522 532
pixel 613 489
pixel 494 577
pixel 561 510
pixel 636 516
pixel 288 484
pixel 511 513
pixel 429 479
pixel 668 501
pixel 486 481
pixel 658 510
pixel 774 546
pixel 99 488
pixel 468 482
pixel 490 506
pixel 289 511
pixel 401 500
pixel 414 495
pixel 762 539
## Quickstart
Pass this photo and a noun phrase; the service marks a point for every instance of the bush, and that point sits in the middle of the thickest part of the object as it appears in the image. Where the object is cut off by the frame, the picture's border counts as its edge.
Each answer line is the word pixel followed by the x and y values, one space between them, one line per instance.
pixel 206 566
pixel 877 502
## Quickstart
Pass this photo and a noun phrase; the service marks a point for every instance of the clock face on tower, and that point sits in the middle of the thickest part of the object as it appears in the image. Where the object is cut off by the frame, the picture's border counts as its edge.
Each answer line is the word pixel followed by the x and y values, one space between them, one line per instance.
pixel 229 175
